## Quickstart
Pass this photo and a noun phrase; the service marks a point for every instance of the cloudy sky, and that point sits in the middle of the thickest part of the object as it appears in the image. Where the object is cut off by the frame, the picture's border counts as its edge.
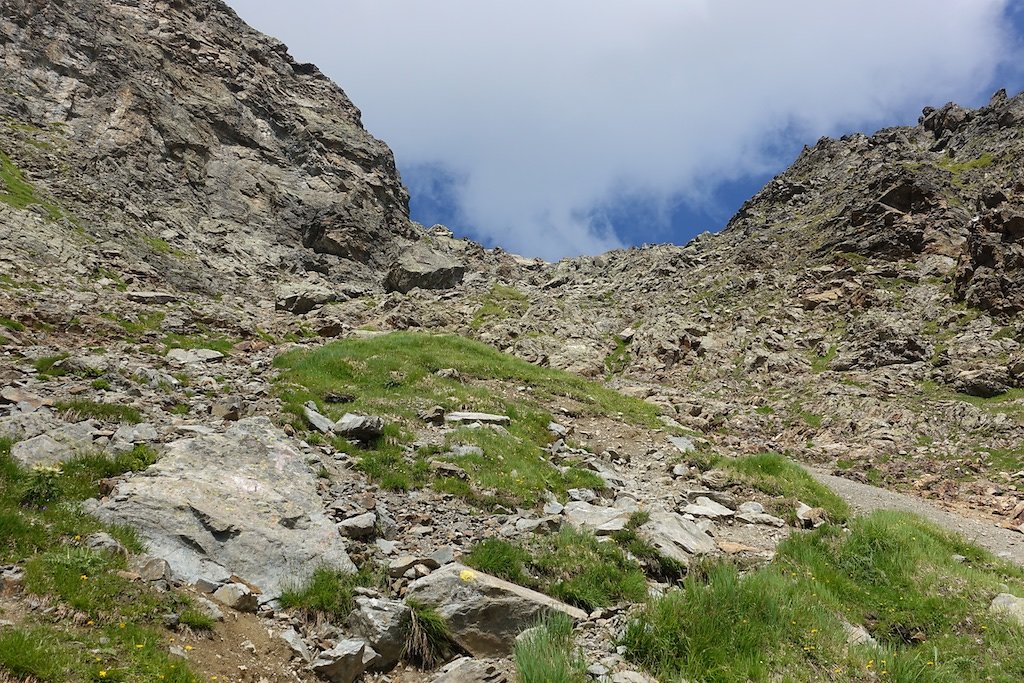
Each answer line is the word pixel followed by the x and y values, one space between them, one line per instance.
pixel 562 127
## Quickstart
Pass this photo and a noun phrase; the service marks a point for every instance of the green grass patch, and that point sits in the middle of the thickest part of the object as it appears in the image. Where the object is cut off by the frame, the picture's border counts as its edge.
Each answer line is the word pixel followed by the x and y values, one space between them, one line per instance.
pixel 777 475
pixel 105 412
pixel 501 303
pixel 571 565
pixel 891 572
pixel 820 364
pixel 217 342
pixel 618 360
pixel 957 167
pixel 19 193
pixel 547 654
pixel 328 592
pixel 140 324
pixel 394 376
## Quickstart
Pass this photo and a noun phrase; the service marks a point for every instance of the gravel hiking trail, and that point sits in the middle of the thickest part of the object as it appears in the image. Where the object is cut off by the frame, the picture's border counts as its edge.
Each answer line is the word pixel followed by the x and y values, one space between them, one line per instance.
pixel 864 498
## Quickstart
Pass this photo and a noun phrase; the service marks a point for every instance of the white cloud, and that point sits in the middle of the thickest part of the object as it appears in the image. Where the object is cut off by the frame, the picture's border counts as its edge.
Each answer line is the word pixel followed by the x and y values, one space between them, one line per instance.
pixel 550 109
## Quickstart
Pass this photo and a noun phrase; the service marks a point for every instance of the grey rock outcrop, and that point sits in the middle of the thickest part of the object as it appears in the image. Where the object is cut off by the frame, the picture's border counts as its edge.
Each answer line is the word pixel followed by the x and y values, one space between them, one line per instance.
pixel 240 503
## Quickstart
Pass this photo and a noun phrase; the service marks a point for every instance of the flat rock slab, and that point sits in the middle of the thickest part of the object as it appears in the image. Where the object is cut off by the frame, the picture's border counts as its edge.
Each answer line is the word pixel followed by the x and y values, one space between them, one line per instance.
pixel 705 507
pixel 482 418
pixel 600 520
pixel 243 502
pixel 485 613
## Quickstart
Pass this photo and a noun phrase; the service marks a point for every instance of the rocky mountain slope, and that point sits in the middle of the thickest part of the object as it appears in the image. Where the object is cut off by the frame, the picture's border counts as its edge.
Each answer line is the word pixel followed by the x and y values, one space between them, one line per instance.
pixel 218 464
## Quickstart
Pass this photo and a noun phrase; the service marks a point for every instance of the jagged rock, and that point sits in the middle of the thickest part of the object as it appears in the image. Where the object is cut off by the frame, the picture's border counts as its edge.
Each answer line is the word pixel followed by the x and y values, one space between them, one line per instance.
pixel 810 517
pixel 229 408
pixel 322 424
pixel 102 541
pixel 343 663
pixel 422 267
pixel 754 513
pixel 434 415
pixel 12 577
pixel 399 566
pixel 601 520
pixel 151 298
pixel 675 537
pixel 128 436
pixel 448 469
pixel 240 503
pixel 984 382
pixel 715 478
pixel 360 427
pixel 296 643
pixel 23 398
pixel 1008 605
pixel 303 297
pixel 360 526
pixel 237 596
pixel 683 444
pixel 156 569
pixel 383 624
pixel 484 613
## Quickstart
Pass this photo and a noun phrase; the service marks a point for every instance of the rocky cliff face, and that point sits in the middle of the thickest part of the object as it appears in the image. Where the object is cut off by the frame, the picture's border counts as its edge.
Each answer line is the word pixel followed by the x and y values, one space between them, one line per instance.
pixel 170 140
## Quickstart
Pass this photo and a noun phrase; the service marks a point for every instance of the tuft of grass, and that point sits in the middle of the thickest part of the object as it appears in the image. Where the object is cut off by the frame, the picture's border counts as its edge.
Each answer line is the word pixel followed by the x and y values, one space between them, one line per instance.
pixel 777 475
pixel 547 655
pixel 12 324
pixel 142 323
pixel 100 384
pixel 618 360
pixel 891 572
pixel 35 652
pixel 328 592
pixel 50 366
pixel 196 620
pixel 428 640
pixel 105 412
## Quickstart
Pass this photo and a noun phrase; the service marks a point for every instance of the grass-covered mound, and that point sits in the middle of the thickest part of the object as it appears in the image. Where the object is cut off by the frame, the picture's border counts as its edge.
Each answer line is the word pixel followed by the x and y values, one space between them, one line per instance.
pixel 395 376
pixel 891 572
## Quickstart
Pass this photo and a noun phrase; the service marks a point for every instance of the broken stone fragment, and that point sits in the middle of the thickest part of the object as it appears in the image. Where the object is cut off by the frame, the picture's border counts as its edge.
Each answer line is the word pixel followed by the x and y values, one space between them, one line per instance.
pixel 360 526
pixel 343 663
pixel 237 596
pixel 360 427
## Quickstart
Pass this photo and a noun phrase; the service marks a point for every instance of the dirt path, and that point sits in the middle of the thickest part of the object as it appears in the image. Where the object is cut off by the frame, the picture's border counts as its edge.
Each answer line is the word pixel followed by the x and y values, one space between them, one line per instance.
pixel 866 498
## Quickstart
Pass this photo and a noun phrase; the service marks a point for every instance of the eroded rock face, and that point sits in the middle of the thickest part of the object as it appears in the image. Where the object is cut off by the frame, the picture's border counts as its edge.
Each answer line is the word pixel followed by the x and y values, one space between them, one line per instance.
pixel 240 503
pixel 990 274
pixel 248 156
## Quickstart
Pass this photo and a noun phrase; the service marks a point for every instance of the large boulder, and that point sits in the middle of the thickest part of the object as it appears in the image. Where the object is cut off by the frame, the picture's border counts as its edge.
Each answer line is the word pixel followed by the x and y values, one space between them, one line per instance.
pixel 57 445
pixel 485 613
pixel 420 266
pixel 382 623
pixel 240 503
